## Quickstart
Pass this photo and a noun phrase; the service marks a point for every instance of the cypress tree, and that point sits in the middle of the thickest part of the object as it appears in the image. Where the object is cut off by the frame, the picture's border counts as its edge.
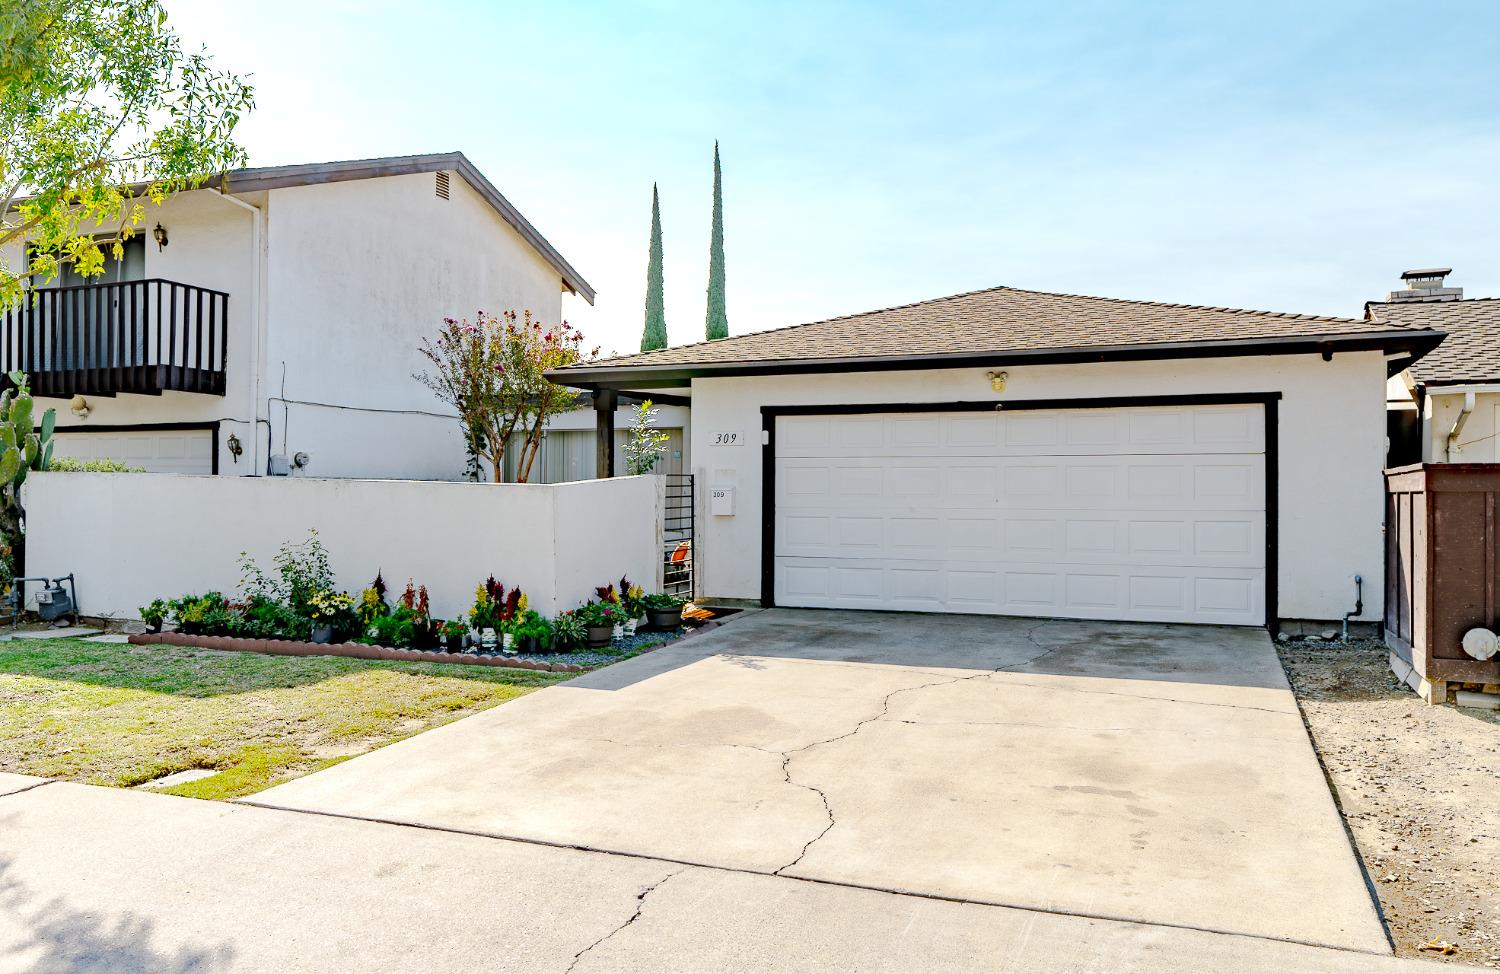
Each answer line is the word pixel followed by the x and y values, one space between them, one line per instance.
pixel 654 335
pixel 717 321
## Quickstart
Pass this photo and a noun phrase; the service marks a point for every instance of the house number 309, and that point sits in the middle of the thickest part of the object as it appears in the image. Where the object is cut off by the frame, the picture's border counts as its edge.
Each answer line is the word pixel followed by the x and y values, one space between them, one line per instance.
pixel 726 439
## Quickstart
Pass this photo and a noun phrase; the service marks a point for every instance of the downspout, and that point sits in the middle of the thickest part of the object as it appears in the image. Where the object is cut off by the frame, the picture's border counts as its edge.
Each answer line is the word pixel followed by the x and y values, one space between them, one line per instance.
pixel 258 217
pixel 1458 427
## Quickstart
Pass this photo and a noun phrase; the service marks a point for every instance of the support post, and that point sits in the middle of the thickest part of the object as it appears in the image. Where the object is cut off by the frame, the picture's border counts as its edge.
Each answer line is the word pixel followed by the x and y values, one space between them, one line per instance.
pixel 605 402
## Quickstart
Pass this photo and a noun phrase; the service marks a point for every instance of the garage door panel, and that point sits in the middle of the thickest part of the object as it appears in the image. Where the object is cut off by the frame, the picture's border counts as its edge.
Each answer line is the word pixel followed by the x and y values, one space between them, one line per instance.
pixel 1181 483
pixel 1232 539
pixel 1082 432
pixel 1152 513
pixel 1151 594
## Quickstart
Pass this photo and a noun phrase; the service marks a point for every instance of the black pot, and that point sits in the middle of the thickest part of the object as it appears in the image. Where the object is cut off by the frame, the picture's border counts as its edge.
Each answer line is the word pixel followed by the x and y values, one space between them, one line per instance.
pixel 664 618
pixel 455 644
pixel 600 636
pixel 322 634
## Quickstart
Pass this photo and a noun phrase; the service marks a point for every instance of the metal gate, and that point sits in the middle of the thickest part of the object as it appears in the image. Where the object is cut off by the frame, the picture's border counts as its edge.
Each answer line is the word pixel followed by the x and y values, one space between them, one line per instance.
pixel 677 536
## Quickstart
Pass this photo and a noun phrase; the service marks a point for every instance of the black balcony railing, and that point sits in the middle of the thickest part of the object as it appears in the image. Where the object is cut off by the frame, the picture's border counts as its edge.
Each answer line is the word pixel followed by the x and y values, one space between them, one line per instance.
pixel 143 337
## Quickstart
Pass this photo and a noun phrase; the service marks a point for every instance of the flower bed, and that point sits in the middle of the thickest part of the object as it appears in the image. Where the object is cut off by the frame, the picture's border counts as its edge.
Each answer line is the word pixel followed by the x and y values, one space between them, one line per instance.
pixel 297 605
pixel 295 647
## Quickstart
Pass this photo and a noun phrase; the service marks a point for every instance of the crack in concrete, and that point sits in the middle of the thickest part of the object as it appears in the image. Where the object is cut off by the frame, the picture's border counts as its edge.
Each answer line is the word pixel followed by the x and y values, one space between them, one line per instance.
pixel 640 906
pixel 885 706
pixel 1145 696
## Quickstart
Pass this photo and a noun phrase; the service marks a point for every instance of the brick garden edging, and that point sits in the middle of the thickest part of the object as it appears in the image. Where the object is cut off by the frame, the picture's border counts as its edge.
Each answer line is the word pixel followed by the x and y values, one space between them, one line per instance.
pixel 294 647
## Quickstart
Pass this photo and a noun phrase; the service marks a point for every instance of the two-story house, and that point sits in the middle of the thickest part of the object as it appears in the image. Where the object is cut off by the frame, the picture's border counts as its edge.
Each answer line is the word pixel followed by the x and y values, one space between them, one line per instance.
pixel 271 321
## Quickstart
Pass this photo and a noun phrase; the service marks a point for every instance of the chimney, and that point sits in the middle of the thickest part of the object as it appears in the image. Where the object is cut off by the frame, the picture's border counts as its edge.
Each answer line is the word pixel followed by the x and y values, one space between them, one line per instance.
pixel 1426 284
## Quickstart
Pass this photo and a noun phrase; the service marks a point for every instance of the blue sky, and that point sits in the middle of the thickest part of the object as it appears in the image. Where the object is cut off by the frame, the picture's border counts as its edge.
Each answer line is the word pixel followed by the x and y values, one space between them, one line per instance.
pixel 1287 156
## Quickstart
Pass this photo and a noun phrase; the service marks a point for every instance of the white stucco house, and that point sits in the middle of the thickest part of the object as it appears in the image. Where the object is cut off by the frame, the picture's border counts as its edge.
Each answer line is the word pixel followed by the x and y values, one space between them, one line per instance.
pixel 1445 408
pixel 1024 453
pixel 275 314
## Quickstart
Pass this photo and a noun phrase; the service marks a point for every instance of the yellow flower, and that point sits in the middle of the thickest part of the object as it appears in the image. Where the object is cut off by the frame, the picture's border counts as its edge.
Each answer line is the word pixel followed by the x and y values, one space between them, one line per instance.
pixel 521 604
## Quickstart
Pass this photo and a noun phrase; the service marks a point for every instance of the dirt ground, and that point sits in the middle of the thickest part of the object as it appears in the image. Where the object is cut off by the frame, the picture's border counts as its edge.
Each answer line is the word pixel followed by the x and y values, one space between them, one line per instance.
pixel 1420 789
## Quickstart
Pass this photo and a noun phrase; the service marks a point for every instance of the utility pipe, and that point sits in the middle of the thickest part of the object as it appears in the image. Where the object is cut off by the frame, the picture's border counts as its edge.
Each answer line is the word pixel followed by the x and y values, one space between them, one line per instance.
pixel 1458 425
pixel 1359 604
pixel 258 316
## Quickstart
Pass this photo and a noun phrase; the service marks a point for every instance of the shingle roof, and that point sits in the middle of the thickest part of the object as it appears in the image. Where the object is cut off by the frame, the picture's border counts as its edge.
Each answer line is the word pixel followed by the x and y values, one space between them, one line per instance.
pixel 999 320
pixel 1470 353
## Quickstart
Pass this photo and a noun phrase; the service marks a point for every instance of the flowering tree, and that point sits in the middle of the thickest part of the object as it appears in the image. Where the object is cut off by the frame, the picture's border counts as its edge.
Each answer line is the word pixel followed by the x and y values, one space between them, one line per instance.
pixel 493 372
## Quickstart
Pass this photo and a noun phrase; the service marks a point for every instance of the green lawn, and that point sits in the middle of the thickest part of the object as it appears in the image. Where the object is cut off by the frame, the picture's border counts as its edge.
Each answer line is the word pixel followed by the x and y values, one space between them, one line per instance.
pixel 116 714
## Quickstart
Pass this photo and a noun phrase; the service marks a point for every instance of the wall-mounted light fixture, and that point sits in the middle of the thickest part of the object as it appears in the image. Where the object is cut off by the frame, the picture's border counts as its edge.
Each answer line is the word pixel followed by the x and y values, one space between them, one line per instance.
pixel 80 407
pixel 160 233
pixel 235 447
pixel 997 380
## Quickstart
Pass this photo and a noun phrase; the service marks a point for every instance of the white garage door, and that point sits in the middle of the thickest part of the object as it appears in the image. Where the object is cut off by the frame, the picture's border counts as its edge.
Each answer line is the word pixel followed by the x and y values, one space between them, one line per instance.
pixel 158 451
pixel 1151 514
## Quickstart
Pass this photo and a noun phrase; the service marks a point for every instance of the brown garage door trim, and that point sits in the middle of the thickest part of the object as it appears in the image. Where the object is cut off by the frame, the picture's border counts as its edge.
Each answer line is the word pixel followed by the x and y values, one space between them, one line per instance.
pixel 1270 402
pixel 212 428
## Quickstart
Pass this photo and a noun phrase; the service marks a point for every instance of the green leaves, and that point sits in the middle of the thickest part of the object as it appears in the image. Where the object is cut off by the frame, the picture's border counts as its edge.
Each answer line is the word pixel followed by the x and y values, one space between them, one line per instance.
pixel 101 106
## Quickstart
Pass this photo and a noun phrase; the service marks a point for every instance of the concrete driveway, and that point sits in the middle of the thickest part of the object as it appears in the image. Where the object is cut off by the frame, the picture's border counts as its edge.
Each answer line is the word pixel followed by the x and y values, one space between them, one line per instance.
pixel 1158 774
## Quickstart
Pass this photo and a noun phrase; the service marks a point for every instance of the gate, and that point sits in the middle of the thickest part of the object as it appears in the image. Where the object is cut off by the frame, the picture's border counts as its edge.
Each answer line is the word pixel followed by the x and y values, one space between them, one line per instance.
pixel 677 536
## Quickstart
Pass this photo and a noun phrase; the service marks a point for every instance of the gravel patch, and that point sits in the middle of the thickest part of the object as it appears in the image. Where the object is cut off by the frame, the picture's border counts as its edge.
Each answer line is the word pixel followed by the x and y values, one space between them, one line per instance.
pixel 1420 789
pixel 618 650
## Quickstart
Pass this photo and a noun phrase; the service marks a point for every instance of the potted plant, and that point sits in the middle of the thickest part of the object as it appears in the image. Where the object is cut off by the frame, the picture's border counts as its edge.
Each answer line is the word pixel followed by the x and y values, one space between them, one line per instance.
pixel 609 597
pixel 453 633
pixel 531 633
pixel 332 614
pixel 568 630
pixel 600 620
pixel 663 611
pixel 632 601
pixel 154 614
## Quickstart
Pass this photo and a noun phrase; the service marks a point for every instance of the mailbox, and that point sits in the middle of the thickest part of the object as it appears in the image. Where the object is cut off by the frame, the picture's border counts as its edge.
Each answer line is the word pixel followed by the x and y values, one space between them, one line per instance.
pixel 721 501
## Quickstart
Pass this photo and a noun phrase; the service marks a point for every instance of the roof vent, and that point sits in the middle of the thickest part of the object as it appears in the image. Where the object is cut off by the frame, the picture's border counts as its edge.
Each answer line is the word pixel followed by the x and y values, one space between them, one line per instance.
pixel 442 185
pixel 1426 284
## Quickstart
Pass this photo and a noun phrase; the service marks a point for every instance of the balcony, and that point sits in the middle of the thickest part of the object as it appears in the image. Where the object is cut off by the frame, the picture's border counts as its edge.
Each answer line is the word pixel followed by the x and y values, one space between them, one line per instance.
pixel 141 337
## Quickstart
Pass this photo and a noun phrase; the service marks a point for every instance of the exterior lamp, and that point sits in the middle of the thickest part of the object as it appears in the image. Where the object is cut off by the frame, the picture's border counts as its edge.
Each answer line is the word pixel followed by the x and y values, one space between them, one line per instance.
pixel 997 380
pixel 80 407
pixel 235 447
pixel 160 233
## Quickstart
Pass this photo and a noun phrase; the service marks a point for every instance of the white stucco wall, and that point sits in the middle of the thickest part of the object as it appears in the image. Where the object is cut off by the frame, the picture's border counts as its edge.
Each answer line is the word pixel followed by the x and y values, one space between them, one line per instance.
pixel 1478 441
pixel 360 272
pixel 1332 450
pixel 134 537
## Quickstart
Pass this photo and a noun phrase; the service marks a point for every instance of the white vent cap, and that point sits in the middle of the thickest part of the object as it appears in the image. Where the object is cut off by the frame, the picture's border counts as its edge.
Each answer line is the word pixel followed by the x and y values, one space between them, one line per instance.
pixel 1481 644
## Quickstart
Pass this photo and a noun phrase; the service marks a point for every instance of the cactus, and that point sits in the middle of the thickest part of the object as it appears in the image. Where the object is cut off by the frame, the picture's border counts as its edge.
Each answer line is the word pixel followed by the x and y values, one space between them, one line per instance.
pixel 24 447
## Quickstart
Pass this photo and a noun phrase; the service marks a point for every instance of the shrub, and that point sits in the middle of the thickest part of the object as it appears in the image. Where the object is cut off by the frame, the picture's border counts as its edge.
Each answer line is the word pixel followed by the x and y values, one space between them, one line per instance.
pixel 75 465
pixel 661 600
pixel 302 571
pixel 531 625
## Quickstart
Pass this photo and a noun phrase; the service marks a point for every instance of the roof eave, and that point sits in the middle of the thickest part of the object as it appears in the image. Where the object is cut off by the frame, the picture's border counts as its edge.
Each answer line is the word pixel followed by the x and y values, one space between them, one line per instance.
pixel 1408 345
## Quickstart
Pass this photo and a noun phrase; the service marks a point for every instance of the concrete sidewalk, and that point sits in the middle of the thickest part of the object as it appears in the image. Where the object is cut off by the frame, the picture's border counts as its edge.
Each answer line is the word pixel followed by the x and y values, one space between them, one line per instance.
pixel 95 880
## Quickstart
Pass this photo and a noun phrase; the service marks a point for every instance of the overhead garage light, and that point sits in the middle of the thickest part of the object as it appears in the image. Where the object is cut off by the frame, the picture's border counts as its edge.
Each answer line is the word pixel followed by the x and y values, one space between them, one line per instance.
pixel 997 380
